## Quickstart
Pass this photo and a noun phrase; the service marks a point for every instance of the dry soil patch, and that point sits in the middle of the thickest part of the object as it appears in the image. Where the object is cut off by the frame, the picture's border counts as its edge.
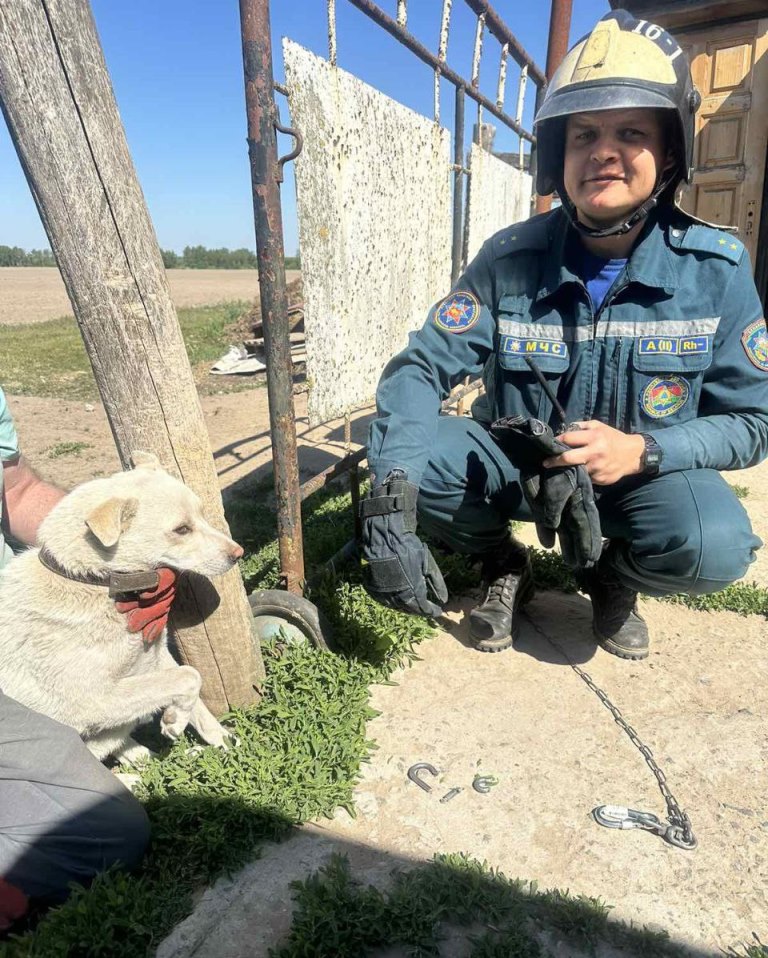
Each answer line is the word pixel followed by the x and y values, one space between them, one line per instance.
pixel 33 294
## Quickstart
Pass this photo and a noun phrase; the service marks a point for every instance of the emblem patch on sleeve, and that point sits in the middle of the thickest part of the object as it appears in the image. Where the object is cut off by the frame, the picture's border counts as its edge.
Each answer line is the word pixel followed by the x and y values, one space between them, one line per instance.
pixel 664 396
pixel 457 313
pixel 754 339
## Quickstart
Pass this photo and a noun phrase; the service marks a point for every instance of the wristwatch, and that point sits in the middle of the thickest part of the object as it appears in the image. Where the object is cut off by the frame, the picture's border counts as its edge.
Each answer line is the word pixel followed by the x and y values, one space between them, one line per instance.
pixel 650 461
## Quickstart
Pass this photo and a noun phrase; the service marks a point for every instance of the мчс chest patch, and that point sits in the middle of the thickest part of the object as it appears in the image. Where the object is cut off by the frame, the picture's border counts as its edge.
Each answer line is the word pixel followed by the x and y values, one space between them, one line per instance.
pixel 754 339
pixel 457 313
pixel 664 396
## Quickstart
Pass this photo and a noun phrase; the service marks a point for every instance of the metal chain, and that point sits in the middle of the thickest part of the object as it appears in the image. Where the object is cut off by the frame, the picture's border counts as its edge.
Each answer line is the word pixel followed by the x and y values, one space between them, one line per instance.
pixel 679 832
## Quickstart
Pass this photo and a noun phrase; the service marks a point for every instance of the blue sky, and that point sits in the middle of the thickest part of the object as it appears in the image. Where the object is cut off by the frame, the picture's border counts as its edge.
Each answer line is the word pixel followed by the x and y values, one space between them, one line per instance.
pixel 176 68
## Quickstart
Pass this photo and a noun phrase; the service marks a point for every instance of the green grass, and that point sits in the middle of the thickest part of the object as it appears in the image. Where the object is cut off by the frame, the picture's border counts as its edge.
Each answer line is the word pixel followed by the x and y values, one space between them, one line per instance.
pixel 67 449
pixel 741 492
pixel 298 758
pixel 337 918
pixel 49 359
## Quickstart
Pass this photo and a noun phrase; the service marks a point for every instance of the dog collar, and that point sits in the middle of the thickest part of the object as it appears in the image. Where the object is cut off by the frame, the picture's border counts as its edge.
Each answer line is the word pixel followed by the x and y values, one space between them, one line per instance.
pixel 118 583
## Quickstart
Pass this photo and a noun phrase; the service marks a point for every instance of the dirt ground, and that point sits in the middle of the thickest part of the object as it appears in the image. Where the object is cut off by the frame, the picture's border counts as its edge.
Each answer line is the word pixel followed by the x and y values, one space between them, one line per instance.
pixel 32 294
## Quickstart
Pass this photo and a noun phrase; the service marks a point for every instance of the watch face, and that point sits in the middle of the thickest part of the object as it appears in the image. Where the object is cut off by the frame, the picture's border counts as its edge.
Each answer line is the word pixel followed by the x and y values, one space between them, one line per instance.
pixel 651 456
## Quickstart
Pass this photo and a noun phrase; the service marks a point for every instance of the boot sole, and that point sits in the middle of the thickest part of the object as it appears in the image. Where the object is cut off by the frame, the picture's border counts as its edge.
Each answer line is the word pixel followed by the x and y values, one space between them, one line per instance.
pixel 632 654
pixel 529 591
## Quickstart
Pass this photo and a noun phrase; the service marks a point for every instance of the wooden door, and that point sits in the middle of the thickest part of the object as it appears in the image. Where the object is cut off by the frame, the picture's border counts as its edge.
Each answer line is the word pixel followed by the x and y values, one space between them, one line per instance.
pixel 730 70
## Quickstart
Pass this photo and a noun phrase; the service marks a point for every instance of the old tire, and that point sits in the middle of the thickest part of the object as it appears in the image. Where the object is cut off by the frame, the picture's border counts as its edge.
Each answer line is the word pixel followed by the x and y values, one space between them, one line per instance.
pixel 275 612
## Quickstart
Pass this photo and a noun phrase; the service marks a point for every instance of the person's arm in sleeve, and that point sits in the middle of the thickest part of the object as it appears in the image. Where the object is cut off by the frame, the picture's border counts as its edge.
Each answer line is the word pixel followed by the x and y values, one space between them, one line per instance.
pixel 454 343
pixel 732 429
pixel 26 498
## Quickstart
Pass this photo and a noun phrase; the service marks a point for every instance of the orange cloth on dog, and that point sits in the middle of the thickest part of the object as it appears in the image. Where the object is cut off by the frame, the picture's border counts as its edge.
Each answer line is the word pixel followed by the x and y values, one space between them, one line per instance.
pixel 148 612
pixel 13 904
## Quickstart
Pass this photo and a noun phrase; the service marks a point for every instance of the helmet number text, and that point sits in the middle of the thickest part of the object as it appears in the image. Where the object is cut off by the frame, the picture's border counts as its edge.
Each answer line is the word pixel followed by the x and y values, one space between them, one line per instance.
pixel 654 32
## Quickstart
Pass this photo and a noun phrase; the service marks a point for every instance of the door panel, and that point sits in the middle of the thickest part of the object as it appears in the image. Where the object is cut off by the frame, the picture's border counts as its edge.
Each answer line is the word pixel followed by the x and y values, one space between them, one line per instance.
pixel 730 70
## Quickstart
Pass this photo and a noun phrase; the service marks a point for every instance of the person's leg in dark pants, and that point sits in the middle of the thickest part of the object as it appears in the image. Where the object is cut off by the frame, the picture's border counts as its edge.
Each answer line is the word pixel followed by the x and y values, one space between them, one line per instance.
pixel 64 817
pixel 467 497
pixel 680 532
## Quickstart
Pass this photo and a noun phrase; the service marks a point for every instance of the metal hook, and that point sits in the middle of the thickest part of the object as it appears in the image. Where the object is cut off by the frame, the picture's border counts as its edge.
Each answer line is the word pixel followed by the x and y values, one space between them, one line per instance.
pixel 413 774
pixel 484 783
pixel 617 816
pixel 299 145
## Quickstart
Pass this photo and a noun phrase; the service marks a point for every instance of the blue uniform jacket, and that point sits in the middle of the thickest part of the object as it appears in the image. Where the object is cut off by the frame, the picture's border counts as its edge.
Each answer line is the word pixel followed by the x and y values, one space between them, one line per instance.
pixel 678 348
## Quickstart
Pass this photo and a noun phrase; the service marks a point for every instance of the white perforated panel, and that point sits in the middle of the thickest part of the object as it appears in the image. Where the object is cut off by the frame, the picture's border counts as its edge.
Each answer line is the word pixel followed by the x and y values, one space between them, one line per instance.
pixel 499 195
pixel 374 207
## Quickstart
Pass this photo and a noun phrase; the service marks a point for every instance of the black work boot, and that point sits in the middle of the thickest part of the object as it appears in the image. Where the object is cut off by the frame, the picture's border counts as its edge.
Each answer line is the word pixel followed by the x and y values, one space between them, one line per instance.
pixel 508 581
pixel 618 626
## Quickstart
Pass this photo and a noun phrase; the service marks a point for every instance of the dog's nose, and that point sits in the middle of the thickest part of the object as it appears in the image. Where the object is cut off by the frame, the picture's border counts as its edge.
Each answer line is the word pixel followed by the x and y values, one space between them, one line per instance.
pixel 236 552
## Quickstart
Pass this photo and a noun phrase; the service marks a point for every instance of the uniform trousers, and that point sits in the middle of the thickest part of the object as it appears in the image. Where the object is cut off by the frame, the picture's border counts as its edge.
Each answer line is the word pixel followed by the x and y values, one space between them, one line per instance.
pixel 64 817
pixel 678 532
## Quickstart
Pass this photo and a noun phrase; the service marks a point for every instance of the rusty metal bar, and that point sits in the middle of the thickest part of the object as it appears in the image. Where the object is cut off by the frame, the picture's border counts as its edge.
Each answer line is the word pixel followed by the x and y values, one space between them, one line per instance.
pixel 392 27
pixel 557 47
pixel 456 398
pixel 520 104
pixel 458 186
pixel 501 86
pixel 442 49
pixel 478 50
pixel 559 29
pixel 262 150
pixel 332 31
pixel 503 34
pixel 332 472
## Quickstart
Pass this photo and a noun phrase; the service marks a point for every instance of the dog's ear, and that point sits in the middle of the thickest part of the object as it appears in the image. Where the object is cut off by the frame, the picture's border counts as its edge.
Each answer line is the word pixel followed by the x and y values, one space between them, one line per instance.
pixel 145 460
pixel 109 520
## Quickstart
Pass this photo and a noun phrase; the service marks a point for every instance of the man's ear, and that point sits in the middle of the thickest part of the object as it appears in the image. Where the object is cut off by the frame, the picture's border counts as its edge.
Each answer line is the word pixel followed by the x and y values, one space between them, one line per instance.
pixel 109 520
pixel 145 460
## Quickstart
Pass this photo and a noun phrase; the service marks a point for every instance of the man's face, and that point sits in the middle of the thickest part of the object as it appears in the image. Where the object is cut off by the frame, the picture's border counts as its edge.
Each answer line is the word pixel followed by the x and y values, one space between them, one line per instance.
pixel 613 160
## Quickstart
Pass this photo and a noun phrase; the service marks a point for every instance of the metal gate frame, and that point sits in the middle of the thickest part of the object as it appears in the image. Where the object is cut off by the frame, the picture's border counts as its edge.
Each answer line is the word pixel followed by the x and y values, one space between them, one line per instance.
pixel 267 175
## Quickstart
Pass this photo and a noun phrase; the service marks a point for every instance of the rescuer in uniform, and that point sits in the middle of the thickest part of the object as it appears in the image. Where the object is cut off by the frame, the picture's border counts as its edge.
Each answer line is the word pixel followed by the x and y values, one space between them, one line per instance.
pixel 646 327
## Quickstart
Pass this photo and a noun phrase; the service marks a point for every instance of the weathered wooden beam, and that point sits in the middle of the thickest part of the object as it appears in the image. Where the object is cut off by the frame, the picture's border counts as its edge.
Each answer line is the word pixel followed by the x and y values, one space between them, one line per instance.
pixel 58 101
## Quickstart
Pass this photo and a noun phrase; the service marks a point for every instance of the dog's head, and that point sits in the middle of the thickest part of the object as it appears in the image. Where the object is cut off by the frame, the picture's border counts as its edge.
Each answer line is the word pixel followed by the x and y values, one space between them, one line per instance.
pixel 135 521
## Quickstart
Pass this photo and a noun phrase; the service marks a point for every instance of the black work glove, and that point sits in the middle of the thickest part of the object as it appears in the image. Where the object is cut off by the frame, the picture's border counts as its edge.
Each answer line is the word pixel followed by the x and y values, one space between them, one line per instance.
pixel 402 571
pixel 561 500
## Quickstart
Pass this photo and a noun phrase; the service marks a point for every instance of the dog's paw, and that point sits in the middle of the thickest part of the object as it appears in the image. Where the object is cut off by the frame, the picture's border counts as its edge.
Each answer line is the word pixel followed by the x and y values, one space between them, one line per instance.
pixel 134 754
pixel 173 721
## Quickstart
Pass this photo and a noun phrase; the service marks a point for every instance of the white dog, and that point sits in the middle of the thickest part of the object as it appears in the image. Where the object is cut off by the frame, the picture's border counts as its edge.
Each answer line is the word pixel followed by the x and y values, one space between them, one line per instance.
pixel 65 650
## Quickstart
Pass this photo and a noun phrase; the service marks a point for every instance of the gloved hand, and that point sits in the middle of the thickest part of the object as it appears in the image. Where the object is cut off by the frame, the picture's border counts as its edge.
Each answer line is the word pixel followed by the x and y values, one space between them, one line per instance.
pixel 148 612
pixel 562 500
pixel 13 904
pixel 402 571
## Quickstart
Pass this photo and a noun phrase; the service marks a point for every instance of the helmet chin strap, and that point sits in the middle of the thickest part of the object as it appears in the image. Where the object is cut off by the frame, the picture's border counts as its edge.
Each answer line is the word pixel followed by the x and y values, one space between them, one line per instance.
pixel 619 229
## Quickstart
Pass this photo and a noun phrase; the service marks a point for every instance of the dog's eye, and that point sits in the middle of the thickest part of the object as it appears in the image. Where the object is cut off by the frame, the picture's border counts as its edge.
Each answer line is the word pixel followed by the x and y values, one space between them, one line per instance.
pixel 182 530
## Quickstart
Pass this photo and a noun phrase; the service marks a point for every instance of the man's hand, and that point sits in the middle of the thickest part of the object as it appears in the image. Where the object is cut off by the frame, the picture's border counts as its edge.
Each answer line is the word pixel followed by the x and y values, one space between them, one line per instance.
pixel 607 454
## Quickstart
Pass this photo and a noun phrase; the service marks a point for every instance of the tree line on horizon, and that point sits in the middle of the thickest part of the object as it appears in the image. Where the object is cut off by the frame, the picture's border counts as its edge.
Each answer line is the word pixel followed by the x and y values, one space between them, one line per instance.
pixel 193 257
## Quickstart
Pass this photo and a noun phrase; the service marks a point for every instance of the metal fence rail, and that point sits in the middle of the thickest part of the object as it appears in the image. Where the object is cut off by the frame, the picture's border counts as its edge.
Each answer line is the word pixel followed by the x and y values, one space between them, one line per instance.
pixel 267 174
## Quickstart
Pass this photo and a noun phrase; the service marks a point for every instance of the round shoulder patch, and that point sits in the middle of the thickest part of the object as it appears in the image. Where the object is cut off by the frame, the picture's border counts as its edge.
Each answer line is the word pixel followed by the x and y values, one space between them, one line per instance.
pixel 754 339
pixel 457 313
pixel 664 396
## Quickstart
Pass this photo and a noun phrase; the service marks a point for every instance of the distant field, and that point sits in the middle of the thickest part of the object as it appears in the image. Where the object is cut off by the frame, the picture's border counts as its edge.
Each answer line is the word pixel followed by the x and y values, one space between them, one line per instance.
pixel 30 294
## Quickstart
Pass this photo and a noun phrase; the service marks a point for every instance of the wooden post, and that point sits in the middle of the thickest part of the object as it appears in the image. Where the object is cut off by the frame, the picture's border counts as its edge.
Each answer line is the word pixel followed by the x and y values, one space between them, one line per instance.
pixel 57 98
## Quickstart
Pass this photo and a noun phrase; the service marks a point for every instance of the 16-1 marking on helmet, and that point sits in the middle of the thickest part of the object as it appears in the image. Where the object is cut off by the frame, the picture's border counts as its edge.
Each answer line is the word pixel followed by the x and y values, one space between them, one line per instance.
pixel 664 396
pixel 754 339
pixel 457 313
